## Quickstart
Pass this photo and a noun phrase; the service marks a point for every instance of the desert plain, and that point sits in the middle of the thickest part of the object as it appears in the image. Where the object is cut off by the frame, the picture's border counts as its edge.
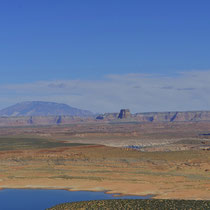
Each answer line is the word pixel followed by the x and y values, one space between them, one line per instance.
pixel 168 160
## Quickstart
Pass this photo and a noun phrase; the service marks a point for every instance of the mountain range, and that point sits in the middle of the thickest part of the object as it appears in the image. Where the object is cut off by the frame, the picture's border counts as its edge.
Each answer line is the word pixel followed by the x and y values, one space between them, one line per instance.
pixel 51 113
pixel 41 108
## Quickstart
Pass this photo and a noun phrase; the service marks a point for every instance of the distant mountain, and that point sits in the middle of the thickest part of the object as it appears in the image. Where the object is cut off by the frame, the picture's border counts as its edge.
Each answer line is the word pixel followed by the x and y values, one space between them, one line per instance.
pixel 40 108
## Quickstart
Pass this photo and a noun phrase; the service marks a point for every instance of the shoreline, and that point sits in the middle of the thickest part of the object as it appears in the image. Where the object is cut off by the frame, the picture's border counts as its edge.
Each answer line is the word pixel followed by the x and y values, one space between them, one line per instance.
pixel 164 175
pixel 114 195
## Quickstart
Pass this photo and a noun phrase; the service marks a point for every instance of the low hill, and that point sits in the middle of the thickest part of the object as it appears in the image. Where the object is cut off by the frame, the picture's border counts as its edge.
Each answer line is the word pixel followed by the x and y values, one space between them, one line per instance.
pixel 40 108
pixel 135 204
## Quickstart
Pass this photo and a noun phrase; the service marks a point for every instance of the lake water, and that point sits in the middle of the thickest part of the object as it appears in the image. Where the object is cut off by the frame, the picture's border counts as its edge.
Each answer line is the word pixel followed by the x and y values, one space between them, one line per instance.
pixel 35 199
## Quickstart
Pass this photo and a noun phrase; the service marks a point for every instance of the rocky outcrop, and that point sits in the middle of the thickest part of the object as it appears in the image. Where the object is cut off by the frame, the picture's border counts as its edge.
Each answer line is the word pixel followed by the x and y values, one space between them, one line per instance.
pixel 108 116
pixel 124 113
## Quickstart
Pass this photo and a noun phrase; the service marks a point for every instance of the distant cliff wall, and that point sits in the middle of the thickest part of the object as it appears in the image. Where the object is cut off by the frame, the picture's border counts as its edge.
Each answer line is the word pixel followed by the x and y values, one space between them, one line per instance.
pixel 194 116
pixel 173 116
pixel 158 116
pixel 41 120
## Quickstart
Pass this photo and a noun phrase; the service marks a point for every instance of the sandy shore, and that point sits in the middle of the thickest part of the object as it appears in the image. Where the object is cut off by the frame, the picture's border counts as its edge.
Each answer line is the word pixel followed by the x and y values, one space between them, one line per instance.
pixel 172 189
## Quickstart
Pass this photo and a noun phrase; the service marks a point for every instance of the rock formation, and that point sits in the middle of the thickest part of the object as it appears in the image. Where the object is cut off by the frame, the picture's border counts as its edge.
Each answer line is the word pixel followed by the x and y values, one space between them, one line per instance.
pixel 188 116
pixel 124 113
pixel 192 116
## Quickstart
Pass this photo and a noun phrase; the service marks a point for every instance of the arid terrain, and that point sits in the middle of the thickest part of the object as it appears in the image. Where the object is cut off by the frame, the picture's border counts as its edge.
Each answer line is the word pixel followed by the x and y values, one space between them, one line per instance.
pixel 167 160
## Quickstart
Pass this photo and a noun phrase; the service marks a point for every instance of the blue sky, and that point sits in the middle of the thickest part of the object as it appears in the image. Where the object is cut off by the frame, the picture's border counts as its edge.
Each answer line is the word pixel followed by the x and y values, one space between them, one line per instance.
pixel 85 41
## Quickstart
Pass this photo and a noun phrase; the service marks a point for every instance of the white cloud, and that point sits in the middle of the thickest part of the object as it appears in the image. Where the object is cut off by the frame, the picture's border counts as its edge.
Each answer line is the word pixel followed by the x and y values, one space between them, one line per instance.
pixel 139 92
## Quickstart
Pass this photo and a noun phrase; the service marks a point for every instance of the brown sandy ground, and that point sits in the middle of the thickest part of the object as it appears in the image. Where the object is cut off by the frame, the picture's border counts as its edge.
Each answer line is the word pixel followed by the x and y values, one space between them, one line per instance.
pixel 116 134
pixel 171 175
pixel 174 161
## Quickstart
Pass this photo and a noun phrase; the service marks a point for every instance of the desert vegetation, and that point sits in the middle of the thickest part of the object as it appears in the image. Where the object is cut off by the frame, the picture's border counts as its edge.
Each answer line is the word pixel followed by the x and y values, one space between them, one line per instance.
pixel 135 204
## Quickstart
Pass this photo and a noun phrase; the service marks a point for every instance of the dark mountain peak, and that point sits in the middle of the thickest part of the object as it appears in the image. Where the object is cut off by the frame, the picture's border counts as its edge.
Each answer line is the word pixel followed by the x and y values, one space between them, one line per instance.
pixel 43 108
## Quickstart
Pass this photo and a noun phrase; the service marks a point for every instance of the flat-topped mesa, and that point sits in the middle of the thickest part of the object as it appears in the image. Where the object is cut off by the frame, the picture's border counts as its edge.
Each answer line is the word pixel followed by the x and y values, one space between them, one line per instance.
pixel 124 113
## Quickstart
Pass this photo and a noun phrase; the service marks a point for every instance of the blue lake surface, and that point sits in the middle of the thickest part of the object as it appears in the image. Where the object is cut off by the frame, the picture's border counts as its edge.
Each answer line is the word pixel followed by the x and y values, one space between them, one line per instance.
pixel 35 199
